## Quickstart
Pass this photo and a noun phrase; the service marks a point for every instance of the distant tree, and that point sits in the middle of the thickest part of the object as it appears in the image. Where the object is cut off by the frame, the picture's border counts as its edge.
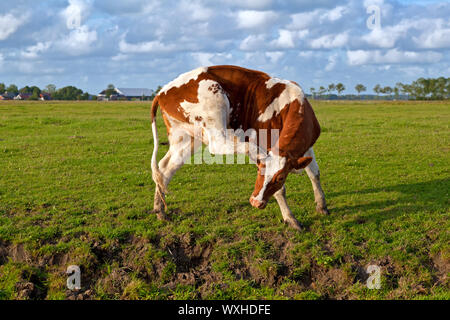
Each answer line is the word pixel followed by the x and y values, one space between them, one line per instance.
pixel 2 88
pixel 360 88
pixel 110 90
pixel 155 93
pixel 340 88
pixel 34 88
pixel 447 88
pixel 12 89
pixel 442 88
pixel 322 90
pixel 313 92
pixel 50 89
pixel 35 95
pixel 406 89
pixel 387 90
pixel 68 93
pixel 377 89
pixel 397 89
pixel 430 88
pixel 331 88
pixel 26 90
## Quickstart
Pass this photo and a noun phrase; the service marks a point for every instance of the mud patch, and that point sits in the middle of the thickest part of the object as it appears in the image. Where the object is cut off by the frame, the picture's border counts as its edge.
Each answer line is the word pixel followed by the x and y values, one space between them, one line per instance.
pixel 32 285
pixel 442 267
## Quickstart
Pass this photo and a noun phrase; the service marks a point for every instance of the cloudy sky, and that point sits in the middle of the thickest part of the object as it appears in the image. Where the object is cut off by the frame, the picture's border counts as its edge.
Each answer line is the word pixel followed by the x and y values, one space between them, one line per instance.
pixel 144 43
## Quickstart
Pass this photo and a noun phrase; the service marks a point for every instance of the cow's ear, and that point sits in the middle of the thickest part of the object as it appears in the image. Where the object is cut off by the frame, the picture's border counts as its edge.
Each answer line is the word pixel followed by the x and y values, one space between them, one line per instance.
pixel 302 162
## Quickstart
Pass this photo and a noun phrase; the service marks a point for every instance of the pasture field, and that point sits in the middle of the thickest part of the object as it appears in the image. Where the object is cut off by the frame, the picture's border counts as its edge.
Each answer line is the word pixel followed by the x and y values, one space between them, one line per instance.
pixel 76 189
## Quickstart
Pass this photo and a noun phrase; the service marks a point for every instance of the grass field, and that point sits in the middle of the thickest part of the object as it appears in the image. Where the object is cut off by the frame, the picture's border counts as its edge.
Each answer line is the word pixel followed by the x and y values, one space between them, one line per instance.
pixel 76 188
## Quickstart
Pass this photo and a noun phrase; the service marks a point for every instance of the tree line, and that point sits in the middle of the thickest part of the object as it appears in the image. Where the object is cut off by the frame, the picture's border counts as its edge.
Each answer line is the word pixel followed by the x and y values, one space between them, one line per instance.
pixel 65 93
pixel 421 89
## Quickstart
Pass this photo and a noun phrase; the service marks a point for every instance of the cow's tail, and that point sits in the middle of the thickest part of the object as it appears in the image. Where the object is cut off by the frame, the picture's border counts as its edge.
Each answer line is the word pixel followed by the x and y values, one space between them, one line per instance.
pixel 157 175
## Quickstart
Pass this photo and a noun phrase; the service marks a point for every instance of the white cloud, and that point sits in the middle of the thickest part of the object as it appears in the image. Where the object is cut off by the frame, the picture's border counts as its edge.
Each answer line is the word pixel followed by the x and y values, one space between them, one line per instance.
pixel 274 56
pixel 253 42
pixel 433 39
pixel 250 19
pixel 334 14
pixel 426 33
pixel 78 41
pixel 319 16
pixel 302 20
pixel 306 54
pixel 285 40
pixel 203 58
pixel 145 47
pixel 35 68
pixel 195 10
pixel 330 41
pixel 250 4
pixel 9 24
pixel 382 38
pixel 75 12
pixel 32 52
pixel 119 57
pixel 332 60
pixel 361 57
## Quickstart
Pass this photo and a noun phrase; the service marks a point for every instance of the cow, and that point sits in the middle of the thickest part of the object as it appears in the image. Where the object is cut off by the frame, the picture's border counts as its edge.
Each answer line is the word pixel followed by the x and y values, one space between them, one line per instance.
pixel 219 98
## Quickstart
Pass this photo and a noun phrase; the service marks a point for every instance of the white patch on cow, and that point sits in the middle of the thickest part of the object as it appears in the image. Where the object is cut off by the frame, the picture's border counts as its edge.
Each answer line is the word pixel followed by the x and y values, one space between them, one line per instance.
pixel 291 93
pixel 213 107
pixel 274 163
pixel 183 79
pixel 273 81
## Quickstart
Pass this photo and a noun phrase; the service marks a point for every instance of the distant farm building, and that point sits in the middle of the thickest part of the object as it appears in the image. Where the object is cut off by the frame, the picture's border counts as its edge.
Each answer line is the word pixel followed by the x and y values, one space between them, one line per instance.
pixel 45 96
pixel 22 96
pixel 7 96
pixel 126 94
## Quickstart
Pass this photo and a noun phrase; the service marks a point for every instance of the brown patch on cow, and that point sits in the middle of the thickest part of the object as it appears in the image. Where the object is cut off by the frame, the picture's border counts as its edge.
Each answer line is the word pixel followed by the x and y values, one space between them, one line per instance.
pixel 300 130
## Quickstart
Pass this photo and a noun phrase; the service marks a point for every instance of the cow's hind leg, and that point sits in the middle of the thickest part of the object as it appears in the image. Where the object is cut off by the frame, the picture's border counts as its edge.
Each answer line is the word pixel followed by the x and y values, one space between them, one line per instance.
pixel 181 148
pixel 313 172
pixel 160 200
pixel 288 217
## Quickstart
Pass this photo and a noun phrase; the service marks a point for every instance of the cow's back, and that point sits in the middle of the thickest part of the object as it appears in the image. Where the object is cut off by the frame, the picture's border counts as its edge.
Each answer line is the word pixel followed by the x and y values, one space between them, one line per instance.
pixel 251 98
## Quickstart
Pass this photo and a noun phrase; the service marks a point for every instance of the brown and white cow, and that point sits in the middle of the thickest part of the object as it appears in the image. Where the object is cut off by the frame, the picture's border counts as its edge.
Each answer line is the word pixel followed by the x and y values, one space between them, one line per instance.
pixel 218 98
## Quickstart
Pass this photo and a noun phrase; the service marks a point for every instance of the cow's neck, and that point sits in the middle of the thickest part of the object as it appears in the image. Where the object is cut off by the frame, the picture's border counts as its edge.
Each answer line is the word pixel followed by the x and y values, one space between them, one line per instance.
pixel 298 129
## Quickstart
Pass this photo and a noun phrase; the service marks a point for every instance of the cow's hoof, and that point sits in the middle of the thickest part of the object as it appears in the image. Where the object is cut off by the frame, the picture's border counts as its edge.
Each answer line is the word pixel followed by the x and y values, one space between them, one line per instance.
pixel 293 223
pixel 322 210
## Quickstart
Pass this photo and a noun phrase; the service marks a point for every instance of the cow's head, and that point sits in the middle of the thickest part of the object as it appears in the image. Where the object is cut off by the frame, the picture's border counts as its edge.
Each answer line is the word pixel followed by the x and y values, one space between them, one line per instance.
pixel 272 173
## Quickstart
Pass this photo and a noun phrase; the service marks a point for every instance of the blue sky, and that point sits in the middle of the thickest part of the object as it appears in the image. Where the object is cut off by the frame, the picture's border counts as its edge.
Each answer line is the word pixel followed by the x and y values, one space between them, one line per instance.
pixel 136 43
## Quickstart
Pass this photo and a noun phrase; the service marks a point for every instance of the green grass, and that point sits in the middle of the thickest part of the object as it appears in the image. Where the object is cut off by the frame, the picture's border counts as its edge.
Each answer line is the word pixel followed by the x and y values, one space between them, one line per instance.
pixel 76 188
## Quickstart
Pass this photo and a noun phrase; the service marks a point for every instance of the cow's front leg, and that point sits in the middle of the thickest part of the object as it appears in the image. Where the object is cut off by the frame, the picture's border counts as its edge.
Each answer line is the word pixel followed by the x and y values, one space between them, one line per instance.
pixel 312 170
pixel 288 217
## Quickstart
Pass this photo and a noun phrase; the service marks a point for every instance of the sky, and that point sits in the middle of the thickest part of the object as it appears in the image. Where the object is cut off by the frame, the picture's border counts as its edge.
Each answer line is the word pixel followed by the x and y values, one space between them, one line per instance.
pixel 143 44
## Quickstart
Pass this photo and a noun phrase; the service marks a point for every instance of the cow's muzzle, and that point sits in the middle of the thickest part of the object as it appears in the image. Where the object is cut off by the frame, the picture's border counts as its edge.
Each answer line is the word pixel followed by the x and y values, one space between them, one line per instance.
pixel 257 204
